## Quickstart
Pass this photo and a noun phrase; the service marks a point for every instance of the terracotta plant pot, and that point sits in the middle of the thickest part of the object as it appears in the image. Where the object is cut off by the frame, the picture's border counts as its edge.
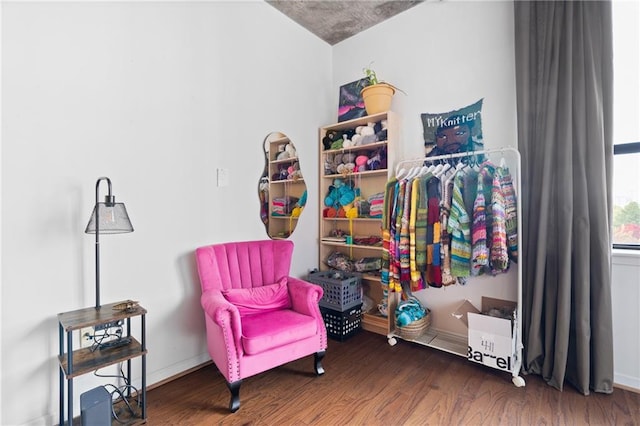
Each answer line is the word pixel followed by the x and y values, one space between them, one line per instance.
pixel 377 97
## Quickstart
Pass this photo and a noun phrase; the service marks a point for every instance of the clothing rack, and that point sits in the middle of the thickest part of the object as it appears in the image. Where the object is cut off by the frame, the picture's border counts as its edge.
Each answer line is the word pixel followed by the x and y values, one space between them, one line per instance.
pixel 516 378
pixel 422 160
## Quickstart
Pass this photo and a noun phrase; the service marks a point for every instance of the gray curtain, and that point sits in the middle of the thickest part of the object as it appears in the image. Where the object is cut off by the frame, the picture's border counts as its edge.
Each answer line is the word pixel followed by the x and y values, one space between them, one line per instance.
pixel 564 77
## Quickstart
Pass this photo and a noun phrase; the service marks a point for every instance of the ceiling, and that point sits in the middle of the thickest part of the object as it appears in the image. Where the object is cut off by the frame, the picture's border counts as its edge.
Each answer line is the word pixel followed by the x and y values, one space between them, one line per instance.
pixel 335 20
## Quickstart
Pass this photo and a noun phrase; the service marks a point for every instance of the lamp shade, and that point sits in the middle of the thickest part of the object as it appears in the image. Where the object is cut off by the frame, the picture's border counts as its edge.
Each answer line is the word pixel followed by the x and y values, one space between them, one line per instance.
pixel 112 219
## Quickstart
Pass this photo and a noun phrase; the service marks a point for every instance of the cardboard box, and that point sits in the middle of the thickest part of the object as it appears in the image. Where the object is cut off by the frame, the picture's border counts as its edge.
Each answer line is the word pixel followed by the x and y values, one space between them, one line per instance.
pixel 492 339
pixel 462 311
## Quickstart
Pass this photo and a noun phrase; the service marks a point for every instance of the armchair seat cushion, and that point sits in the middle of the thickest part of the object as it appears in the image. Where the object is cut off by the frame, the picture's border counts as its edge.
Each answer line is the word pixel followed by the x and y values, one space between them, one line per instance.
pixel 264 331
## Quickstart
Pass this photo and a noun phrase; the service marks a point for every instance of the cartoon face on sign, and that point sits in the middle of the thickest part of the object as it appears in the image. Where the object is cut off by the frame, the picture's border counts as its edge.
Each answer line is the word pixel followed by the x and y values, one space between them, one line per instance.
pixel 455 136
pixel 454 131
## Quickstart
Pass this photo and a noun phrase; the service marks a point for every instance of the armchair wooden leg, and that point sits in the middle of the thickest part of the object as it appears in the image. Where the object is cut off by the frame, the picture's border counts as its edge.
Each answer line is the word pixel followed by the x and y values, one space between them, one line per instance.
pixel 234 402
pixel 318 362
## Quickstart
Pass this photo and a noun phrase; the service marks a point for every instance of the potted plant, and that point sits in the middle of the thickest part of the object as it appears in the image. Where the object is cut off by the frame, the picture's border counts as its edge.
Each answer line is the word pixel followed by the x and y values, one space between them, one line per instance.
pixel 376 94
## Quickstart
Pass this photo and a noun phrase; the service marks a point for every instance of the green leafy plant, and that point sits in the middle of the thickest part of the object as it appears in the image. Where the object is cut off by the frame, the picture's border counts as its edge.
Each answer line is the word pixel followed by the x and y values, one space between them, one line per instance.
pixel 371 78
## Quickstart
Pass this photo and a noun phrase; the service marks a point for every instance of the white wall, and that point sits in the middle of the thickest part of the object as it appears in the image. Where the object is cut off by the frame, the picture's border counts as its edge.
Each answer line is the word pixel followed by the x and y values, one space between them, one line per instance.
pixel 156 96
pixel 166 88
pixel 445 56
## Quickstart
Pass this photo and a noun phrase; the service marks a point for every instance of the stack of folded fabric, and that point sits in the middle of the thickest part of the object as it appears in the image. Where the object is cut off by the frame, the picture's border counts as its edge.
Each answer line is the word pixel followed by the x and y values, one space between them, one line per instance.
pixel 282 206
pixel 376 205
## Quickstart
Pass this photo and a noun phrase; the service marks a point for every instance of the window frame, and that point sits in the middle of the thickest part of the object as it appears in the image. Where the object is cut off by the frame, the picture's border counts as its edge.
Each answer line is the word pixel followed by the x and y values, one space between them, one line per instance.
pixel 621 149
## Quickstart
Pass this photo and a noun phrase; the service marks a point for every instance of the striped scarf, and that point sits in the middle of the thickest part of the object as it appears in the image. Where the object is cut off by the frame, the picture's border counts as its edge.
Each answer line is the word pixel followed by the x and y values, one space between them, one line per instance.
pixel 394 239
pixel 421 225
pixel 458 227
pixel 404 243
pixel 387 213
pixel 434 270
pixel 417 282
pixel 479 251
pixel 499 258
pixel 445 239
pixel 511 212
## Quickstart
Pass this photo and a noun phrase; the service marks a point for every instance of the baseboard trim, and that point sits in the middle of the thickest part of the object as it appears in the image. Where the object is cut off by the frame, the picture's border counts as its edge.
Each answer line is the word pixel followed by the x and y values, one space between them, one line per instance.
pixel 179 375
pixel 627 388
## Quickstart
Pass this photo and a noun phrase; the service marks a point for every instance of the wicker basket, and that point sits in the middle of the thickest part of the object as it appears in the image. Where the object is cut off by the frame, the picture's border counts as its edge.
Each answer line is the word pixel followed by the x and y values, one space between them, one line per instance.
pixel 415 329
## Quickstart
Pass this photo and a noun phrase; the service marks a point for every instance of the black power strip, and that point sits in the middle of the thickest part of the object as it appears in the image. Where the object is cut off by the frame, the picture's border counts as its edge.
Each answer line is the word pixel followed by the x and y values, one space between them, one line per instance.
pixel 115 343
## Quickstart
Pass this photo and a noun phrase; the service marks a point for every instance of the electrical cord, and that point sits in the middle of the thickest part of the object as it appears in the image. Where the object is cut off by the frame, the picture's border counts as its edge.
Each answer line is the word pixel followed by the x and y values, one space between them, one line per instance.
pixel 121 392
pixel 109 339
pixel 106 336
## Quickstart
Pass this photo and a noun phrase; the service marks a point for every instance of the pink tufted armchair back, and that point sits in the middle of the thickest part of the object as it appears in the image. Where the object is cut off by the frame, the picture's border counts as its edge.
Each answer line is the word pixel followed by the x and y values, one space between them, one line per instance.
pixel 244 264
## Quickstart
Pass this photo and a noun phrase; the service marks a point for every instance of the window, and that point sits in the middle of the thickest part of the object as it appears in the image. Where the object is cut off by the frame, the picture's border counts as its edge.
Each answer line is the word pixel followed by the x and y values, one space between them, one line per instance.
pixel 626 125
pixel 626 195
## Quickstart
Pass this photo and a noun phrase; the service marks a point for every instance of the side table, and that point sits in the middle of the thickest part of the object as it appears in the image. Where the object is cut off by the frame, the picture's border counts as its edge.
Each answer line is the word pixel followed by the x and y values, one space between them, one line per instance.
pixel 74 363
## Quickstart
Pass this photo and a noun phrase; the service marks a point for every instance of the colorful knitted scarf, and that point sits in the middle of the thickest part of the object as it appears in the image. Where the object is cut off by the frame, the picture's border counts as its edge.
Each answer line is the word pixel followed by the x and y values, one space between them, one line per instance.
pixel 417 283
pixel 421 225
pixel 412 227
pixel 434 270
pixel 499 258
pixel 445 239
pixel 487 170
pixel 404 243
pixel 479 251
pixel 394 239
pixel 511 212
pixel 387 213
pixel 458 227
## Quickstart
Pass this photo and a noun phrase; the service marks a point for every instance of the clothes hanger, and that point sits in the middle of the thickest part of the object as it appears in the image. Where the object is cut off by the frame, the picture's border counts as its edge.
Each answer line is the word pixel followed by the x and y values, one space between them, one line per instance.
pixel 443 171
pixel 503 161
pixel 413 172
pixel 475 164
pixel 404 174
pixel 460 165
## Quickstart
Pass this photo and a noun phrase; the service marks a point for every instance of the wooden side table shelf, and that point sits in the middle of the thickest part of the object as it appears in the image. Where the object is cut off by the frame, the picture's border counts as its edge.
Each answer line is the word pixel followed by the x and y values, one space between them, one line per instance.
pixel 74 363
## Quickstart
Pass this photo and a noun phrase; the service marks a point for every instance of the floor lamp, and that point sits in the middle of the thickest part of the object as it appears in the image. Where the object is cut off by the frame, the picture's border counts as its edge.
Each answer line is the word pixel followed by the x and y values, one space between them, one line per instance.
pixel 107 218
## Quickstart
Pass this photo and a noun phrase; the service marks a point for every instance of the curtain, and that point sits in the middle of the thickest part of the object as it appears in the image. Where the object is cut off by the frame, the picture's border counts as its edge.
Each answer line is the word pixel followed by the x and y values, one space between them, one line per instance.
pixel 564 85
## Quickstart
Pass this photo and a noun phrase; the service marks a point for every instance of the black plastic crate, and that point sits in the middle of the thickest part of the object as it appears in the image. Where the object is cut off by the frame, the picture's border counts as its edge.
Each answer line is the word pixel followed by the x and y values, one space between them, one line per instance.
pixel 342 290
pixel 342 325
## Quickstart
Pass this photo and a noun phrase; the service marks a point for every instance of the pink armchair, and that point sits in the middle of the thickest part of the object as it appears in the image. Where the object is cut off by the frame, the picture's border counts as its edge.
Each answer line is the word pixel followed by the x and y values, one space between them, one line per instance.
pixel 257 316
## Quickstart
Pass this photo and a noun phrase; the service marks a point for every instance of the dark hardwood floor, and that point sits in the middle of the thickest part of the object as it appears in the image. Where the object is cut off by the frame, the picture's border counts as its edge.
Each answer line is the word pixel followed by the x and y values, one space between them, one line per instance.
pixel 368 382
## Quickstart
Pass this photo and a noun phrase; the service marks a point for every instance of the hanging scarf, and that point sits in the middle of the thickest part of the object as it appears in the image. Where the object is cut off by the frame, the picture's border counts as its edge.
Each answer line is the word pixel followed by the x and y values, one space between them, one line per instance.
pixel 499 258
pixel 445 239
pixel 404 243
pixel 511 213
pixel 458 227
pixel 421 226
pixel 417 283
pixel 486 173
pixel 479 251
pixel 434 270
pixel 394 239
pixel 387 214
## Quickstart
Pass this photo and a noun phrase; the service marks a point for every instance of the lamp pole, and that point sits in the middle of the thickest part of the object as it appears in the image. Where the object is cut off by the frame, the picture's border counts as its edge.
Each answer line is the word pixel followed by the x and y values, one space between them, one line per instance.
pixel 109 201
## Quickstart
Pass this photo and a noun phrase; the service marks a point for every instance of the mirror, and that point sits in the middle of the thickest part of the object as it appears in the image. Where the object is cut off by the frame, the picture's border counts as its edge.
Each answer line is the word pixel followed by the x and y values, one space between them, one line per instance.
pixel 281 190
